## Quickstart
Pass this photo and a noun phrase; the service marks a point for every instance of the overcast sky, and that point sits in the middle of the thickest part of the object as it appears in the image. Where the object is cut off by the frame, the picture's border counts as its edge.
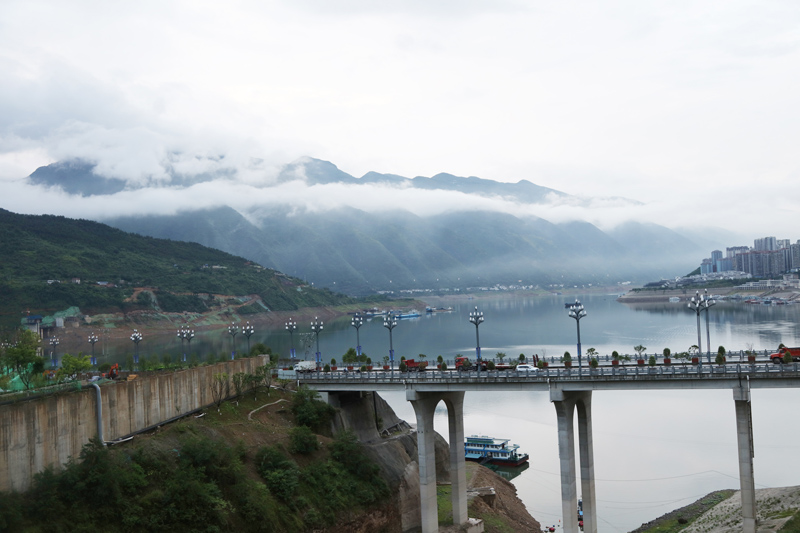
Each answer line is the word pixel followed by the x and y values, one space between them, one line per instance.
pixel 689 107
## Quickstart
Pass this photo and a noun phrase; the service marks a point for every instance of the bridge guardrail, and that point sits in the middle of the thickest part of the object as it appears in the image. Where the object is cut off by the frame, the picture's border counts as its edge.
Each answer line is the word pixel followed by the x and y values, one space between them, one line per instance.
pixel 603 373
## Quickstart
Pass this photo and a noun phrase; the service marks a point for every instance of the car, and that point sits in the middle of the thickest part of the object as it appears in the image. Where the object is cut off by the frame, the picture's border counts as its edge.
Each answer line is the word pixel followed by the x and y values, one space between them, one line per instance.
pixel 526 368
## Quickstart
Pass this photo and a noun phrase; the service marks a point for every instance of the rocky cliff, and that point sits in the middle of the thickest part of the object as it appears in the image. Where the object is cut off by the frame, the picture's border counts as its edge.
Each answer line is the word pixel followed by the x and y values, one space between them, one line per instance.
pixel 392 444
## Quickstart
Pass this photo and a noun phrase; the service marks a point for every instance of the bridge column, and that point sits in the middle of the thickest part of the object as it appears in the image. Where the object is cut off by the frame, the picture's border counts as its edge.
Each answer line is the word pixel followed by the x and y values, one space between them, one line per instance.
pixel 458 468
pixel 424 404
pixel 565 403
pixel 744 438
pixel 586 448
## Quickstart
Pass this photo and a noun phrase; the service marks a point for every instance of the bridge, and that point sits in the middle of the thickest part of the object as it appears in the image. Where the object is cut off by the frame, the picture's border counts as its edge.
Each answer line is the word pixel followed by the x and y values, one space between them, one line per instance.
pixel 570 391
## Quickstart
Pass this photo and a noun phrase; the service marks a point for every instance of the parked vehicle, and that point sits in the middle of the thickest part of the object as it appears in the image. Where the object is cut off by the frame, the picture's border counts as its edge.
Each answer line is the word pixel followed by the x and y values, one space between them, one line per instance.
pixel 777 357
pixel 415 366
pixel 305 366
pixel 463 363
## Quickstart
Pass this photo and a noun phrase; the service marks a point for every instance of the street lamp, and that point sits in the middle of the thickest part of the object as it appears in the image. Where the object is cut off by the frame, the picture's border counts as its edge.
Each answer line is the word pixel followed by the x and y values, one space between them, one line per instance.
pixel 91 339
pixel 476 317
pixel 708 303
pixel 291 327
pixel 696 305
pixel 185 334
pixel 577 312
pixel 316 327
pixel 247 331
pixel 390 322
pixel 357 322
pixel 136 338
pixel 53 343
pixel 233 331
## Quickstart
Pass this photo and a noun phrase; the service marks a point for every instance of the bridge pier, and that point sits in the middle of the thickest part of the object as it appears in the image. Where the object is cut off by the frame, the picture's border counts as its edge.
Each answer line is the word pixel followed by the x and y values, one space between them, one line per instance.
pixel 744 438
pixel 424 404
pixel 566 402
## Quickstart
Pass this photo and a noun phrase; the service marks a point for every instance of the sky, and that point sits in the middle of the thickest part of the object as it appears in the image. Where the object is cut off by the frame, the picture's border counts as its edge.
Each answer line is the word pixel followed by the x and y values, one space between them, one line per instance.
pixel 687 107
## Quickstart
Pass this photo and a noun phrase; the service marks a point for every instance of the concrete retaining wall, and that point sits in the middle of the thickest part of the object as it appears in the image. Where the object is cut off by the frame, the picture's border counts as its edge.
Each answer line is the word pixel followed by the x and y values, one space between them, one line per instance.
pixel 48 431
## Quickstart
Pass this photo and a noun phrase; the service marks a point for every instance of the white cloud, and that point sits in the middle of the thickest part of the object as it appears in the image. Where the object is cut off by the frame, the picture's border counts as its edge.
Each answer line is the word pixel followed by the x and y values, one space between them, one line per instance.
pixel 689 108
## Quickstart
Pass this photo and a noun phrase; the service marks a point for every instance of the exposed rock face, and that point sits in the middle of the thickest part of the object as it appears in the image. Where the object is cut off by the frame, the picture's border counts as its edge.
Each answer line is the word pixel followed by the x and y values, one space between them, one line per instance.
pixel 368 416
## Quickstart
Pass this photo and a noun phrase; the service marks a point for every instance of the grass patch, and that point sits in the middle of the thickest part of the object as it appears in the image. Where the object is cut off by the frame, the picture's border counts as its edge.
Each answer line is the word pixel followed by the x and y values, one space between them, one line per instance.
pixel 792 526
pixel 444 504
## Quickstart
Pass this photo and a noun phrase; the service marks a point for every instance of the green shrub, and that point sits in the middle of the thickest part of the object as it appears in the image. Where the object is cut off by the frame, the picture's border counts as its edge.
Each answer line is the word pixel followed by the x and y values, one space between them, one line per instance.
pixel 302 440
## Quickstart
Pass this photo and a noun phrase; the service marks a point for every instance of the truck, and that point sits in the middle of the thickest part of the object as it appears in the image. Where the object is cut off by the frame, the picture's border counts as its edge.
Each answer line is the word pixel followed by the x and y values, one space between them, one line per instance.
pixel 415 366
pixel 464 364
pixel 305 366
pixel 778 356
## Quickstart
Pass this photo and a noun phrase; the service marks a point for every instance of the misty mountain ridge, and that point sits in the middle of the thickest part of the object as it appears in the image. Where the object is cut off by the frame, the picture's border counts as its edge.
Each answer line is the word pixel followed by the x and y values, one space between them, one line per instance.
pixel 360 251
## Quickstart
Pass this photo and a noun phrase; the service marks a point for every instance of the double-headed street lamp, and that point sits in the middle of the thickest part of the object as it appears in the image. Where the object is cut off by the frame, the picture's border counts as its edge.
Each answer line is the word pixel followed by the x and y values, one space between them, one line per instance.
pixel 698 304
pixel 357 322
pixel 291 327
pixel 316 327
pixel 390 322
pixel 136 338
pixel 91 339
pixel 248 331
pixel 233 330
pixel 53 343
pixel 186 334
pixel 476 317
pixel 577 312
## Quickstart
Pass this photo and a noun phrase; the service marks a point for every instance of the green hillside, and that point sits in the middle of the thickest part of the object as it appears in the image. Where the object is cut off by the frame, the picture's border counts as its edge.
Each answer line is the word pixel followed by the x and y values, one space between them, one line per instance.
pixel 44 256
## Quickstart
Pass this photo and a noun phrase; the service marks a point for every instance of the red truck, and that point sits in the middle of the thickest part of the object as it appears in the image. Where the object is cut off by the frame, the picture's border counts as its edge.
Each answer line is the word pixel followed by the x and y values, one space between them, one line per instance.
pixel 463 363
pixel 777 357
pixel 415 366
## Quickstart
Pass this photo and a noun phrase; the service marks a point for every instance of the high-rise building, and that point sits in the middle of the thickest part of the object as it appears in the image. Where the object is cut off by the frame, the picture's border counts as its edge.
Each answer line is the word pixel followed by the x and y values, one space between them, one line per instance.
pixel 735 250
pixel 765 244
pixel 716 255
pixel 784 243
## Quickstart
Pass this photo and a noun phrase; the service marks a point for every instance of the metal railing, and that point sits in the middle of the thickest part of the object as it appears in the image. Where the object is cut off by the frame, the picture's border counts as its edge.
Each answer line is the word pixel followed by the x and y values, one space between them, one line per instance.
pixel 602 373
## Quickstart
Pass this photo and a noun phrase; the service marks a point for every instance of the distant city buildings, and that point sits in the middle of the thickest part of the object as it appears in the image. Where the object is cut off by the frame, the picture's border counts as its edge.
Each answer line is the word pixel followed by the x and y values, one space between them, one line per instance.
pixel 768 258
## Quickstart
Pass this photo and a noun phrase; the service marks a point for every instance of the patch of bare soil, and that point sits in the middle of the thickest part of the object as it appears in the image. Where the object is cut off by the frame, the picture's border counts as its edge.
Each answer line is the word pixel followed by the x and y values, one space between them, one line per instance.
pixel 505 513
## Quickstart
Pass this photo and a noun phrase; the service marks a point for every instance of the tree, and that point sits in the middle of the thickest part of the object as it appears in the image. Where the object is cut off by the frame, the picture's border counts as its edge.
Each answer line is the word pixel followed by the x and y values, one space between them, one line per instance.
pixel 591 353
pixel 71 366
pixel 639 349
pixel 23 359
pixel 239 379
pixel 219 388
pixel 500 355
pixel 522 358
pixel 350 356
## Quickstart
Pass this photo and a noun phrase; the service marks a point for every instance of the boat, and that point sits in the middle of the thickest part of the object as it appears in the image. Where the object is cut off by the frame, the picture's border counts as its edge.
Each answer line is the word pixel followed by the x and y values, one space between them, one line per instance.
pixel 494 451
pixel 410 314
pixel 674 299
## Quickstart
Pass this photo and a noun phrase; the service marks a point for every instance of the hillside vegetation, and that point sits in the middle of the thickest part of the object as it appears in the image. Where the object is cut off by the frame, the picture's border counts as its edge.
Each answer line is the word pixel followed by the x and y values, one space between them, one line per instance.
pixel 44 256
pixel 277 471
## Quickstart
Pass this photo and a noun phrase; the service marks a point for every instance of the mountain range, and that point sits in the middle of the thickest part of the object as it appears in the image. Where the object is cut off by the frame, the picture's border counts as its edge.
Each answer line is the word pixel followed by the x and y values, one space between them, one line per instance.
pixel 362 250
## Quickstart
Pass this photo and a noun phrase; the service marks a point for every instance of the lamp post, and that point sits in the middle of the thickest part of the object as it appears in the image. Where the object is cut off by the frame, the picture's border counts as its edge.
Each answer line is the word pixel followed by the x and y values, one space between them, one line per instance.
pixel 185 334
pixel 316 327
pixel 233 331
pixel 357 322
pixel 53 343
pixel 390 322
pixel 577 312
pixel 136 338
pixel 91 339
pixel 247 331
pixel 476 317
pixel 291 327
pixel 708 302
pixel 697 306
